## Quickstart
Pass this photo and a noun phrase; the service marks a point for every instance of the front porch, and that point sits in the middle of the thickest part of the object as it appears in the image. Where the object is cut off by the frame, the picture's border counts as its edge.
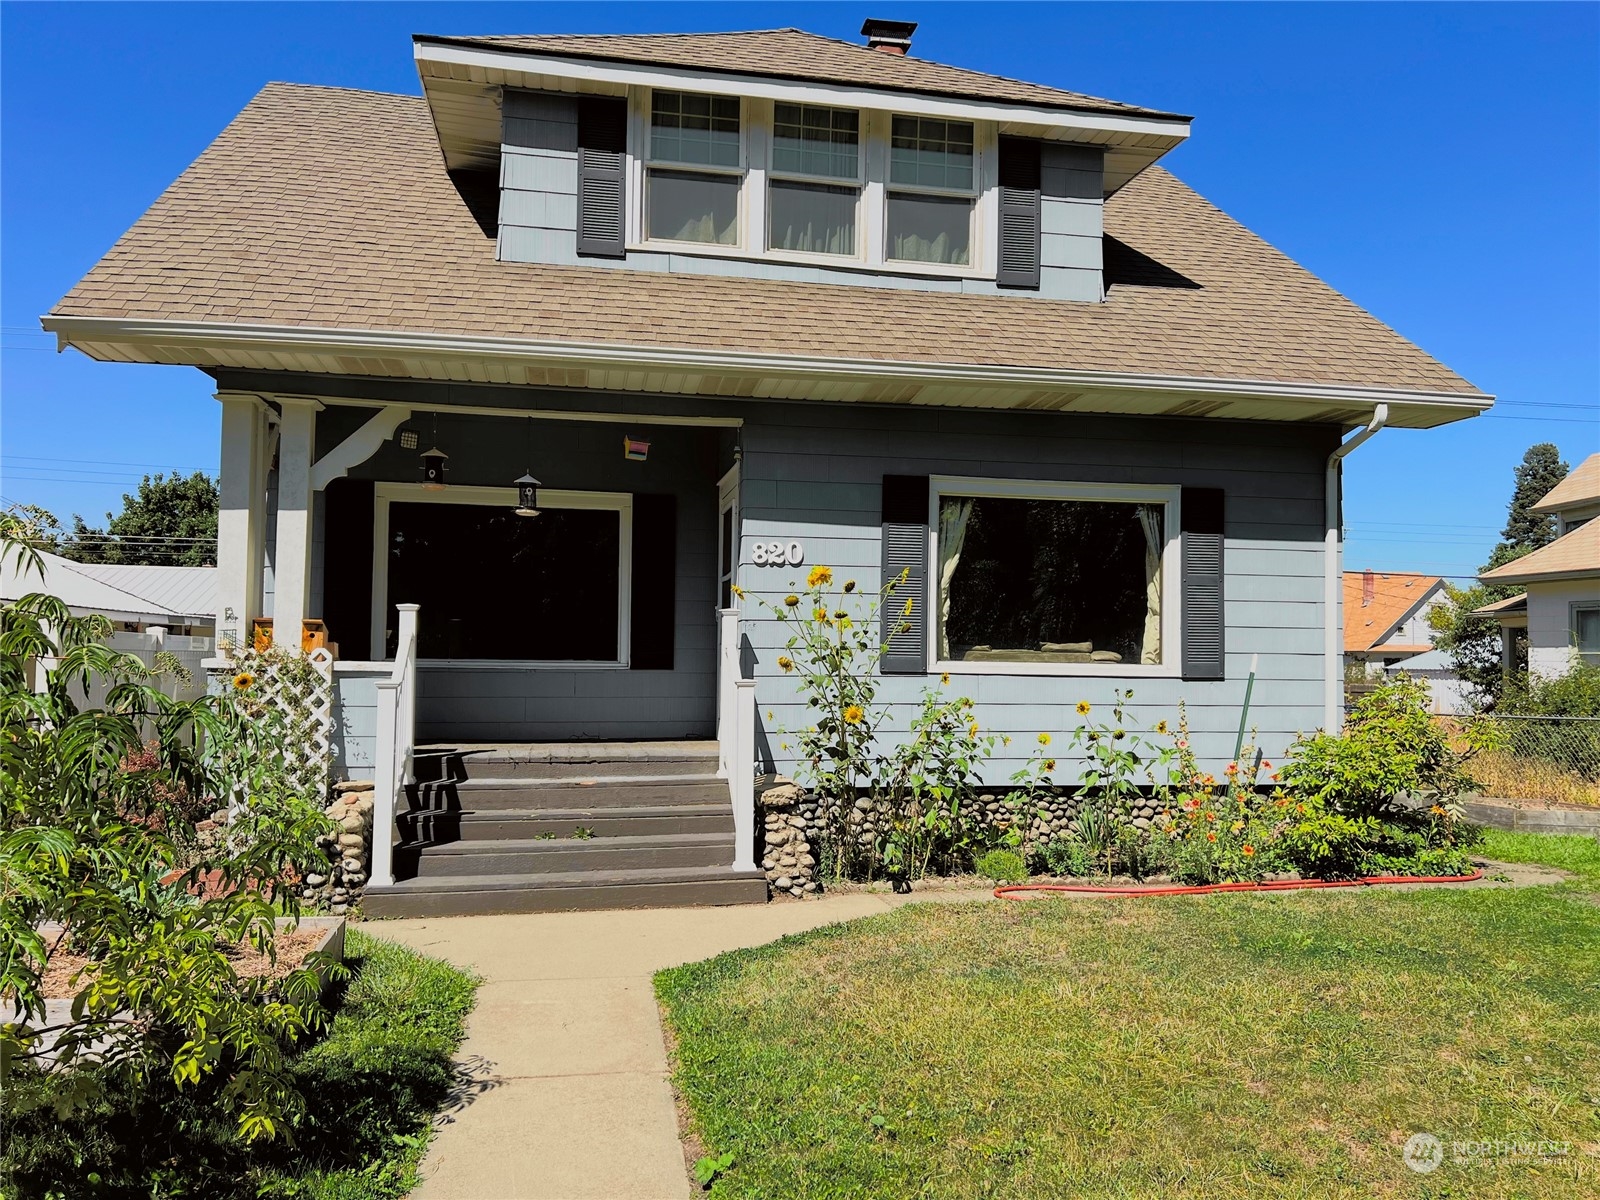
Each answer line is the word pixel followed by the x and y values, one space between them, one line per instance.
pixel 534 692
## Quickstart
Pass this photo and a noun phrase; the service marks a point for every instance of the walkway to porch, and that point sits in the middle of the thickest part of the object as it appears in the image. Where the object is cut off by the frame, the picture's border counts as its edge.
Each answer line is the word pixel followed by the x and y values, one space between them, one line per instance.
pixel 569 1095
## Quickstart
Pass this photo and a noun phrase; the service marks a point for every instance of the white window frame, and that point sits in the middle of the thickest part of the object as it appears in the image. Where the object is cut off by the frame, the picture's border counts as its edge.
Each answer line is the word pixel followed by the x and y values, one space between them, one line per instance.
pixel 859 182
pixel 1168 495
pixel 975 193
pixel 1575 607
pixel 621 503
pixel 642 113
pixel 755 140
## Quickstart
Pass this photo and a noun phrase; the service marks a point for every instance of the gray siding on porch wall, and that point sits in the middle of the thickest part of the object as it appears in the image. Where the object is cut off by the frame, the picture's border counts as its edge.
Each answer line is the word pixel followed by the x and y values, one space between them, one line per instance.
pixel 508 704
pixel 814 474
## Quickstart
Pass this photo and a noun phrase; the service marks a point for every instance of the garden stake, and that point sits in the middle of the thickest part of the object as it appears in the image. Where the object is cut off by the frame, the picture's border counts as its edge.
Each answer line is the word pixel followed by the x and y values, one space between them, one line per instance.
pixel 1244 713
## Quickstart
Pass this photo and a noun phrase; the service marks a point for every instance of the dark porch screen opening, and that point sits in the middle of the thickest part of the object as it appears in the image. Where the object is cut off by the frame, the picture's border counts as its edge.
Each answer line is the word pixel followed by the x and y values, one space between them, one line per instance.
pixel 1050 581
pixel 493 585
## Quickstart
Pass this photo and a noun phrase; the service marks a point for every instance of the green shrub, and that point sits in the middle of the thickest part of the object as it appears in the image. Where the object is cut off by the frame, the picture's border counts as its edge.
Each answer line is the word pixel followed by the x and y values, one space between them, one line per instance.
pixel 1066 855
pixel 1329 845
pixel 1575 694
pixel 374 1080
pixel 1003 866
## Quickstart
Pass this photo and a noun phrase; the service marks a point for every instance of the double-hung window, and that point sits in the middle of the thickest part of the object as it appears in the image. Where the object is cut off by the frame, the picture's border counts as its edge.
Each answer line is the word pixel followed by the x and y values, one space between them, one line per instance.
pixel 814 187
pixel 1586 632
pixel 932 191
pixel 696 168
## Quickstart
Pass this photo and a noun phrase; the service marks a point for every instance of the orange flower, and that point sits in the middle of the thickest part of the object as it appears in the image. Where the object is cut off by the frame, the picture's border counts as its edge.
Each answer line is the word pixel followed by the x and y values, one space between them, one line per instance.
pixel 1211 816
pixel 1247 850
pixel 1211 837
pixel 1233 769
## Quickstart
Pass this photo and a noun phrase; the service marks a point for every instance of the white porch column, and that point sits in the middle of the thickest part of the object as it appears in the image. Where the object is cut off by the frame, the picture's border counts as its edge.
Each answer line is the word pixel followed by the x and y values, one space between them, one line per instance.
pixel 241 516
pixel 291 564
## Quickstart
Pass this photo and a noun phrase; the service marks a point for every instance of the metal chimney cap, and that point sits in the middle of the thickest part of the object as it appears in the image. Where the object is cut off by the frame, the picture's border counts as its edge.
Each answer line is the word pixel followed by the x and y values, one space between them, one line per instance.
pixel 892 37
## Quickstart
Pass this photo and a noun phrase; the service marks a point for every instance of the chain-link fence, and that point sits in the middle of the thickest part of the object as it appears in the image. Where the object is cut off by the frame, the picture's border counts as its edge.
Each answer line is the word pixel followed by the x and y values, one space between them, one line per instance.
pixel 1553 759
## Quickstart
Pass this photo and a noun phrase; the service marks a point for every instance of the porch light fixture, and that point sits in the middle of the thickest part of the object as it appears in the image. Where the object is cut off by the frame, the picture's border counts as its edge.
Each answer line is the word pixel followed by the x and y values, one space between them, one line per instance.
pixel 433 469
pixel 433 462
pixel 527 497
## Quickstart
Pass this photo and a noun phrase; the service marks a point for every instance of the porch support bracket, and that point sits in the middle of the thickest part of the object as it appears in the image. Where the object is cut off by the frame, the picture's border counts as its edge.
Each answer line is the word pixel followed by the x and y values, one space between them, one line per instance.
pixel 359 446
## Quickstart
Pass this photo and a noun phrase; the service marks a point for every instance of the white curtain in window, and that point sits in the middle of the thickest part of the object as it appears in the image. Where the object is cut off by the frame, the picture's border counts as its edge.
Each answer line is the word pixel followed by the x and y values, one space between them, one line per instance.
pixel 1150 522
pixel 953 516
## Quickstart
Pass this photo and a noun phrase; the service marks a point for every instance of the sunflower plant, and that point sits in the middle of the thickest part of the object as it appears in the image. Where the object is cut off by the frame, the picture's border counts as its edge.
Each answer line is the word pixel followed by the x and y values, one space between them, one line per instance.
pixel 833 649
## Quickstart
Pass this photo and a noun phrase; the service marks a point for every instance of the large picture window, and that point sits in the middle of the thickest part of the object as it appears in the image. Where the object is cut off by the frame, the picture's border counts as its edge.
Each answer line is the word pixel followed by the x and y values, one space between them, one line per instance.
pixel 1049 574
pixel 1586 632
pixel 496 586
pixel 696 157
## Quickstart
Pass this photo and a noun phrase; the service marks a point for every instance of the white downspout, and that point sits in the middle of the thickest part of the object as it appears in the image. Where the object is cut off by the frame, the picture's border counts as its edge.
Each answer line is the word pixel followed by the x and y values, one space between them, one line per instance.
pixel 1333 641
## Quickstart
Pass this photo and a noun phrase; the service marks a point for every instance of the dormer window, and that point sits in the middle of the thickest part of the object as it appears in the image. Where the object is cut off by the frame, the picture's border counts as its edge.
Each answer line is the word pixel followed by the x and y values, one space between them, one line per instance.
pixel 814 188
pixel 932 191
pixel 688 130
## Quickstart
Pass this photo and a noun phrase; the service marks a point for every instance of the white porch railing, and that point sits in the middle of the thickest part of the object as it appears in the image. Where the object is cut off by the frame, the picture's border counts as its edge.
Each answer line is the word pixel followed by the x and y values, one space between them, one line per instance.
pixel 736 738
pixel 397 727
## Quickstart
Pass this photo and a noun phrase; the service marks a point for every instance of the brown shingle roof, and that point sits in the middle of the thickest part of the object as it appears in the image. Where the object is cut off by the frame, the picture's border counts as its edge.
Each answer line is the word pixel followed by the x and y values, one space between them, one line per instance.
pixel 330 208
pixel 1394 595
pixel 1581 486
pixel 1574 555
pixel 796 54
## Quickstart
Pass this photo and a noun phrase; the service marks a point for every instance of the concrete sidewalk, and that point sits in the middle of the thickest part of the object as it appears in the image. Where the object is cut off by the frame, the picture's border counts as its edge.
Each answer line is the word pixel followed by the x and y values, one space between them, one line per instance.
pixel 569 1096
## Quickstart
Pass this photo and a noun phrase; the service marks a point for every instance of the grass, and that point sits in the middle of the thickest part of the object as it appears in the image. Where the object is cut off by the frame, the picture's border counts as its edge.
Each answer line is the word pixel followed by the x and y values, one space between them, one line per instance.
pixel 1574 853
pixel 1513 776
pixel 1218 1047
pixel 372 1084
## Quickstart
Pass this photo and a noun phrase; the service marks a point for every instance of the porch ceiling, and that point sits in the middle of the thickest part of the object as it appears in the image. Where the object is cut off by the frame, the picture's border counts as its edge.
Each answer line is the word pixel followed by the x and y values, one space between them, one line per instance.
pixel 738 375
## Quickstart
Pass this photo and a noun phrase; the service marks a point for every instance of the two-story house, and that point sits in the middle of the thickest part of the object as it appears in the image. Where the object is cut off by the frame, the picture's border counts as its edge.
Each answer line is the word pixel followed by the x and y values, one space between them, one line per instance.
pixel 720 308
pixel 1560 608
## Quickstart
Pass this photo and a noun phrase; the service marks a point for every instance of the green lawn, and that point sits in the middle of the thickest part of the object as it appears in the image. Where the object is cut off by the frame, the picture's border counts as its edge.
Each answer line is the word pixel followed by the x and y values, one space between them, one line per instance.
pixel 1226 1046
pixel 372 1083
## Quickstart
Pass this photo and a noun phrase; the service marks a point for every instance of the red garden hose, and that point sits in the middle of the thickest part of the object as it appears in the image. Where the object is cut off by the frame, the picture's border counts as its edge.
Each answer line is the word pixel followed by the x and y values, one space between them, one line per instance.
pixel 1012 891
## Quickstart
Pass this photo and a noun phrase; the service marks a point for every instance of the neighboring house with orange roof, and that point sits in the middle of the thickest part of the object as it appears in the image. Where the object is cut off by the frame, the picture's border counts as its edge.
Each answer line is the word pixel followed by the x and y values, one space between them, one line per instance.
pixel 1560 608
pixel 1386 615
pixel 748 304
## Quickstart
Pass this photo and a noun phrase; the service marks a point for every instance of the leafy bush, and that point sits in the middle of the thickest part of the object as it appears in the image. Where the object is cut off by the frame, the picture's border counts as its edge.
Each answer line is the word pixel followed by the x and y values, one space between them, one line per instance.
pixel 1067 855
pixel 92 805
pixel 1003 866
pixel 1575 694
pixel 380 1072
pixel 1391 747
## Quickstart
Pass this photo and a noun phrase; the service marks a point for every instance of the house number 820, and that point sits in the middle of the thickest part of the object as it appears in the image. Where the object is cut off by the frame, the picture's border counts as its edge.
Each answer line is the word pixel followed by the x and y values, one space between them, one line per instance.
pixel 777 554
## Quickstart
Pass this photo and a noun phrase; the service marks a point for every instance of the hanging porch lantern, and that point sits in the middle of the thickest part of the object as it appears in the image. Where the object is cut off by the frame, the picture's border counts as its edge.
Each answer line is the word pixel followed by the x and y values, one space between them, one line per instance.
pixel 527 497
pixel 433 469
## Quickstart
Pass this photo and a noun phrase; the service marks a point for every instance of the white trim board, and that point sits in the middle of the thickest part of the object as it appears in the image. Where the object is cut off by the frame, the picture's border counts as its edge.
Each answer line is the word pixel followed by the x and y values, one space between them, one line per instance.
pixel 1168 495
pixel 385 494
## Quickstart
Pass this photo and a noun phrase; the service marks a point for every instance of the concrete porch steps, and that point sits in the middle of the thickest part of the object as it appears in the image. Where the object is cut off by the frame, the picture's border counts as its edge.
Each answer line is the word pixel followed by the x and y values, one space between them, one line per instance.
pixel 657 820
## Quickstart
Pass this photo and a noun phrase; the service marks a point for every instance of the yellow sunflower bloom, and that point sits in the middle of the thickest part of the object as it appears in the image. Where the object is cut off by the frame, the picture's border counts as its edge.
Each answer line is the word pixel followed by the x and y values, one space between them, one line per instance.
pixel 1083 708
pixel 791 601
pixel 853 714
pixel 244 680
pixel 973 729
pixel 907 611
pixel 1044 739
pixel 819 576
pixel 785 663
pixel 945 679
pixel 736 590
pixel 821 614
pixel 1161 727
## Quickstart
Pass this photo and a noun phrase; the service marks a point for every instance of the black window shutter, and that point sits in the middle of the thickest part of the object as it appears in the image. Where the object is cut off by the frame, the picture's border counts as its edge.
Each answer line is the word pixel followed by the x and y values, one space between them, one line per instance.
pixel 653 622
pixel 347 565
pixel 905 549
pixel 1204 643
pixel 1020 216
pixel 602 139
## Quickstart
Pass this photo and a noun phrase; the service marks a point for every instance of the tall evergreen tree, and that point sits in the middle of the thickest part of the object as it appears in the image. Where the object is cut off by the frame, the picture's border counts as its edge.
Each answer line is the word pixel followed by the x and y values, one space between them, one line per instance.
pixel 1540 470
pixel 170 522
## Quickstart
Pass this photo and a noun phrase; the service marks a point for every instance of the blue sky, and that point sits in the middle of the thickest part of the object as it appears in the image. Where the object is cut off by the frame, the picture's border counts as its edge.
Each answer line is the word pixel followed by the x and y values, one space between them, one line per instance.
pixel 1438 163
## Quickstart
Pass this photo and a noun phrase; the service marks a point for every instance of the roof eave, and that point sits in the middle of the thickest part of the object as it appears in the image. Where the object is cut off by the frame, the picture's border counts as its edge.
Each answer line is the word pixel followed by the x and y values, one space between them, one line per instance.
pixel 433 39
pixel 229 344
